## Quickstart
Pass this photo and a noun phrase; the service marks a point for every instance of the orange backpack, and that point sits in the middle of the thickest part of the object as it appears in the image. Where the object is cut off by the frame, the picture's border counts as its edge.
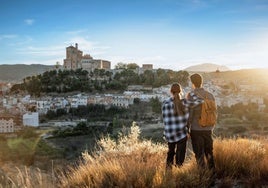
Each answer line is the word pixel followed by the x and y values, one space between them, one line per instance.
pixel 208 116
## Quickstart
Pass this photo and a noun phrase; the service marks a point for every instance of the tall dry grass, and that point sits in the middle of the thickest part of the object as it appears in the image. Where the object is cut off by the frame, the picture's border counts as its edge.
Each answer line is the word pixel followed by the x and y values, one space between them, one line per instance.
pixel 27 177
pixel 131 162
pixel 243 159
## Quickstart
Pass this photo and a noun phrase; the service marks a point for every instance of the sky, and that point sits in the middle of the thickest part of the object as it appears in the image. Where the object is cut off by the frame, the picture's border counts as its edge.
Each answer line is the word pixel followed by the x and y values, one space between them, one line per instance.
pixel 170 34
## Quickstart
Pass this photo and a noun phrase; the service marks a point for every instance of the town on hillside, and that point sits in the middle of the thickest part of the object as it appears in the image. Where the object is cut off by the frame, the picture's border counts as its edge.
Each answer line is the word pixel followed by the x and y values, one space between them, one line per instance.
pixel 23 109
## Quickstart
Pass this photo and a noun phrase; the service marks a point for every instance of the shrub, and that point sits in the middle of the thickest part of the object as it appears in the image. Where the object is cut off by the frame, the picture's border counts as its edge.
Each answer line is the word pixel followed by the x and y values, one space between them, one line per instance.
pixel 129 162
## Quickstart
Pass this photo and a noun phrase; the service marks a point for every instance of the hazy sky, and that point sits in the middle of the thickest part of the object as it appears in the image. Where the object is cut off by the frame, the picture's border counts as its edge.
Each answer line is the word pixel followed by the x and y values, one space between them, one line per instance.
pixel 170 34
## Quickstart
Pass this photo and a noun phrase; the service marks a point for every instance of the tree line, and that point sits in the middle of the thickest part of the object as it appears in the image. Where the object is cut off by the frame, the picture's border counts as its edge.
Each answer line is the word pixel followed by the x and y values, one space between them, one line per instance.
pixel 99 80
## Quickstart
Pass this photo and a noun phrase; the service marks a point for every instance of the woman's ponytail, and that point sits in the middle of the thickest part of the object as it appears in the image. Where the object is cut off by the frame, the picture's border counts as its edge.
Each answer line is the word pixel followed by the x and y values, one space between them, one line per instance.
pixel 178 106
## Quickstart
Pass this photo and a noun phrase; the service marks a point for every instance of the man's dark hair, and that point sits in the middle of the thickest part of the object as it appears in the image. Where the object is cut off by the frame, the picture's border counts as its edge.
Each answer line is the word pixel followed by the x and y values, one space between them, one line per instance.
pixel 197 80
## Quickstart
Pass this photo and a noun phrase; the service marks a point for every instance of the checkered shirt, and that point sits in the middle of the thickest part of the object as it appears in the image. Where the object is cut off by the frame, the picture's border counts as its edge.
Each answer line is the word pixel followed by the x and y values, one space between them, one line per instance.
pixel 175 126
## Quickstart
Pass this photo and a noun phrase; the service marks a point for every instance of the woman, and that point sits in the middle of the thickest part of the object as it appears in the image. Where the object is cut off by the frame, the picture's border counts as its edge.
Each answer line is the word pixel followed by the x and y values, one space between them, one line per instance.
pixel 175 117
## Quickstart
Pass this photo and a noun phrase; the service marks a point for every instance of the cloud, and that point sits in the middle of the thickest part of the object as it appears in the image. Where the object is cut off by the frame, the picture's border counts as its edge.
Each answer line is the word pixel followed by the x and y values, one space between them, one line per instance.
pixel 255 25
pixel 87 46
pixel 82 42
pixel 250 53
pixel 46 55
pixel 29 21
pixel 76 32
pixel 22 41
pixel 48 51
pixel 9 36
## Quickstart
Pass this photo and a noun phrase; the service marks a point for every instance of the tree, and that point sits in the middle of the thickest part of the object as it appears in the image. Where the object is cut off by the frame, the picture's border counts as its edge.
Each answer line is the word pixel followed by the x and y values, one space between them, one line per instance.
pixel 82 127
pixel 115 85
pixel 148 77
pixel 156 105
pixel 121 66
pixel 61 112
pixel 132 66
pixel 17 88
pixel 136 101
pixel 51 114
pixel 182 78
pixel 33 86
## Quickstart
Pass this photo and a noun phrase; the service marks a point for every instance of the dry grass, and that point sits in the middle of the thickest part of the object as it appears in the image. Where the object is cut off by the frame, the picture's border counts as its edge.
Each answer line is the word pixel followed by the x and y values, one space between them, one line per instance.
pixel 126 163
pixel 243 159
pixel 130 162
pixel 26 177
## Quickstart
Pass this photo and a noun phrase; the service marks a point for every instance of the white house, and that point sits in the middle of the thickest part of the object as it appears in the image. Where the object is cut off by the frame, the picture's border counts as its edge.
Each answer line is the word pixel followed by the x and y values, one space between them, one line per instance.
pixel 122 101
pixel 31 119
pixel 78 100
pixel 6 125
pixel 43 106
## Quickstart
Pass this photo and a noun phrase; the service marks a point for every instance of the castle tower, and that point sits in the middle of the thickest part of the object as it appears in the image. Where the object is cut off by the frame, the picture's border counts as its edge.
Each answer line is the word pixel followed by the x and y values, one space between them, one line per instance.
pixel 73 57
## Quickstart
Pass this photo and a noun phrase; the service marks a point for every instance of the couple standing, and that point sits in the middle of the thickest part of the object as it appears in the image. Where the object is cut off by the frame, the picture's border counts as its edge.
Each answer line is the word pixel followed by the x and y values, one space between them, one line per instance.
pixel 180 117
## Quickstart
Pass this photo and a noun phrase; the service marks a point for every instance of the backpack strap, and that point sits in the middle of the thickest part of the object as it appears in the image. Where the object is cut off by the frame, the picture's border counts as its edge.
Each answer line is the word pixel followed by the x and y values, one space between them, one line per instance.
pixel 199 95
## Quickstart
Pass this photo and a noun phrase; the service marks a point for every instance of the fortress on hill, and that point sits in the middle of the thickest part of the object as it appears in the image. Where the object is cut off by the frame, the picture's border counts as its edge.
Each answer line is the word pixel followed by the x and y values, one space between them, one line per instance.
pixel 75 60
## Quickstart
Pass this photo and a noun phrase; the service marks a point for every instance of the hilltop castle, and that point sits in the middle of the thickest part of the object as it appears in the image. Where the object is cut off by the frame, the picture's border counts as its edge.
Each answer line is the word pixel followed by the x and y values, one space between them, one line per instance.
pixel 75 60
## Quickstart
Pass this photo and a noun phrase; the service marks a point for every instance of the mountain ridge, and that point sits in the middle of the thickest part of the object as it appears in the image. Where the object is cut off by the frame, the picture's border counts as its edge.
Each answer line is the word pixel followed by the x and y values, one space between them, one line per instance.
pixel 207 67
pixel 17 72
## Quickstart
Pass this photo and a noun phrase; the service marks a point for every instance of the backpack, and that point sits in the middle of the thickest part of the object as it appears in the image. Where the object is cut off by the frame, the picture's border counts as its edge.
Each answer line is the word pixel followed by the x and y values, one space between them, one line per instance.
pixel 208 116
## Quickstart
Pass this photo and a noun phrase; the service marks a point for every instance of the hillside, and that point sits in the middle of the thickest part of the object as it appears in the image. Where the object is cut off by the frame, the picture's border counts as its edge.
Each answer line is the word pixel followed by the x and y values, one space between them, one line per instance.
pixel 250 76
pixel 207 67
pixel 131 161
pixel 16 73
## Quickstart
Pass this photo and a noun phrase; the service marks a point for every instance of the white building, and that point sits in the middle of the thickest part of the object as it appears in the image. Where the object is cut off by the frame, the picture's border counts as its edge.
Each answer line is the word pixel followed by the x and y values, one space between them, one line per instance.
pixel 9 102
pixel 122 101
pixel 31 119
pixel 106 99
pixel 26 99
pixel 59 103
pixel 146 97
pixel 6 125
pixel 78 100
pixel 42 106
pixel 259 101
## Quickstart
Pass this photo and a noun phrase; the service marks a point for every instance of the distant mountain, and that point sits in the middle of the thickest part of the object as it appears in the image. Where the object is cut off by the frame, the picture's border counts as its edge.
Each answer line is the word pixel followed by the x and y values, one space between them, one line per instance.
pixel 207 67
pixel 16 73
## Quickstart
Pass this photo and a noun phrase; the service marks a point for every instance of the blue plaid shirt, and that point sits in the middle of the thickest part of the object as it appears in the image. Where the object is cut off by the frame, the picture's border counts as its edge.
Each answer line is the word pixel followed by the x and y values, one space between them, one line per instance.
pixel 175 126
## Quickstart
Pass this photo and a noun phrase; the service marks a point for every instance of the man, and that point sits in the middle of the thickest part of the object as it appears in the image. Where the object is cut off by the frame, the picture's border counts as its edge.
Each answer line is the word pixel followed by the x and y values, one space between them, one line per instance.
pixel 201 137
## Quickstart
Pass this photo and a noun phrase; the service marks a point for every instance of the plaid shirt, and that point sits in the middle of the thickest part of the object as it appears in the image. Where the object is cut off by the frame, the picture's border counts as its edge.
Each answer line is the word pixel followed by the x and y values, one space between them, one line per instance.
pixel 175 126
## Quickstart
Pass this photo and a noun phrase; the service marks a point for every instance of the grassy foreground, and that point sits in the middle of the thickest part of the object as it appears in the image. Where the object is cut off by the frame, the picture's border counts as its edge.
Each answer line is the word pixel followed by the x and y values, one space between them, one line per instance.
pixel 130 162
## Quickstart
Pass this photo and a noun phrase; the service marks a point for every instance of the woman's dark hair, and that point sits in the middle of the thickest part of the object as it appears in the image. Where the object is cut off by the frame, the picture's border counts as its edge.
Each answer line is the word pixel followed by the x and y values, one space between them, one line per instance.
pixel 197 80
pixel 178 106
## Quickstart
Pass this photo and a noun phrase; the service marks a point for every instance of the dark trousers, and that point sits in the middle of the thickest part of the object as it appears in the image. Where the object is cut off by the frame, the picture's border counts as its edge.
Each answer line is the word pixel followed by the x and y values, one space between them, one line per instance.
pixel 177 149
pixel 202 144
